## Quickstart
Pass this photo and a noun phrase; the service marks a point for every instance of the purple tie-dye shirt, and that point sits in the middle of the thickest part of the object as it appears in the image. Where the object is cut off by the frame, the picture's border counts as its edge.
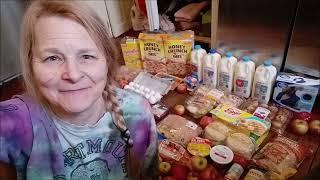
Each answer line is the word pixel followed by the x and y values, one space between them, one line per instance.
pixel 29 139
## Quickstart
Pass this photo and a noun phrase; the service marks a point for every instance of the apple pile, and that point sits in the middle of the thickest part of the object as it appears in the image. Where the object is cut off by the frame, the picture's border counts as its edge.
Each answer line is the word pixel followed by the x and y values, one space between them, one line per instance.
pixel 304 123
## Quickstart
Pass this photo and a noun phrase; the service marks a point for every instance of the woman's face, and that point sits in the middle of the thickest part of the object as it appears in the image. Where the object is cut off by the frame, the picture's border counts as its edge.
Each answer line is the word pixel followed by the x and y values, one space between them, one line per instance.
pixel 69 69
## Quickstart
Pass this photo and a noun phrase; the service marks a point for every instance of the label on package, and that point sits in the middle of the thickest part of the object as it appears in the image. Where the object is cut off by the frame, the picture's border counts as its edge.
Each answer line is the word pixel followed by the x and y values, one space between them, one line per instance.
pixel 192 125
pixel 224 79
pixel 199 147
pixel 261 113
pixel 241 87
pixel 261 91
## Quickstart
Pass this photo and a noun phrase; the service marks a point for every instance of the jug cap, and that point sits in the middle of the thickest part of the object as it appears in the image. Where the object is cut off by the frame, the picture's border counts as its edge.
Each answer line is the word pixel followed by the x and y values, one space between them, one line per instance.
pixel 267 63
pixel 229 54
pixel 197 47
pixel 212 51
pixel 246 58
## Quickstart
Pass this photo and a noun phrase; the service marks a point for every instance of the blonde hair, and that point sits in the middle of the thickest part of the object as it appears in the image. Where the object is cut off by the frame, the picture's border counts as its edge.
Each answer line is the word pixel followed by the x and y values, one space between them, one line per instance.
pixel 96 29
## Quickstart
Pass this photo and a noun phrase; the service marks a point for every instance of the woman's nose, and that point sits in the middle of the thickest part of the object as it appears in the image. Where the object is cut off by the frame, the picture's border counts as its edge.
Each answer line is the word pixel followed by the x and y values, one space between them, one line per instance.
pixel 72 72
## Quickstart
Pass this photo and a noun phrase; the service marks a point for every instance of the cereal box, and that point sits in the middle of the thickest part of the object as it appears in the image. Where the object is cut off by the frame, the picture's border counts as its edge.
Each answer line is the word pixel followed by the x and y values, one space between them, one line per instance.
pixel 243 121
pixel 178 47
pixel 131 52
pixel 152 52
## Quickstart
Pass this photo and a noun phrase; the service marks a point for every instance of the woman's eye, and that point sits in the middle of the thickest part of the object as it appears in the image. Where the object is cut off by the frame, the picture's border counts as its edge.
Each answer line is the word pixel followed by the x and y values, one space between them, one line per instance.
pixel 86 56
pixel 52 58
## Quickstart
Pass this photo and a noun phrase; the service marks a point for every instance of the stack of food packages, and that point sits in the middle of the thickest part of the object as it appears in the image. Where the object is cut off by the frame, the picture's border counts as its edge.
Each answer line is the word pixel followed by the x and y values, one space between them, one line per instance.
pixel 228 141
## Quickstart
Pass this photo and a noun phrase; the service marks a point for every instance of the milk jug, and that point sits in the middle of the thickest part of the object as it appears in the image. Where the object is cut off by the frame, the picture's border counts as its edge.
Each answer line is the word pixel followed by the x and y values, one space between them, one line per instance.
pixel 243 77
pixel 226 71
pixel 210 68
pixel 196 60
pixel 264 79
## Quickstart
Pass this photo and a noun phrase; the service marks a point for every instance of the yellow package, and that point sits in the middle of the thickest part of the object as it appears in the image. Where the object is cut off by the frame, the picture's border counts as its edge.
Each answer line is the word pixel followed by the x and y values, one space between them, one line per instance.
pixel 245 122
pixel 152 52
pixel 178 48
pixel 131 52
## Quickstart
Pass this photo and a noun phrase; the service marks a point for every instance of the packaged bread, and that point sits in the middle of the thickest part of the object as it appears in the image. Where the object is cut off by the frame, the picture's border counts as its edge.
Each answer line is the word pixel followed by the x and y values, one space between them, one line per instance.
pixel 241 144
pixel 216 132
pixel 281 156
pixel 178 47
pixel 152 52
pixel 178 129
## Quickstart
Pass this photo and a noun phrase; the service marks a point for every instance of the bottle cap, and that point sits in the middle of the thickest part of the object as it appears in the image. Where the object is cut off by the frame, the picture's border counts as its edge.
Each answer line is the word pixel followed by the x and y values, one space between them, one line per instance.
pixel 212 51
pixel 229 54
pixel 246 58
pixel 197 47
pixel 267 63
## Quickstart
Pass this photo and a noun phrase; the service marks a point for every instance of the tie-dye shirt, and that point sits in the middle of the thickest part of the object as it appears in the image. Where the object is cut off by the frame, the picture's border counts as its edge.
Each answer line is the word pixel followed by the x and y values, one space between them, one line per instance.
pixel 29 140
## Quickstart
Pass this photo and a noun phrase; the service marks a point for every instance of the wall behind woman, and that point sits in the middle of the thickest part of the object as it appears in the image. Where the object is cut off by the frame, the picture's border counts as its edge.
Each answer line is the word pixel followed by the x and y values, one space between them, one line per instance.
pixel 11 17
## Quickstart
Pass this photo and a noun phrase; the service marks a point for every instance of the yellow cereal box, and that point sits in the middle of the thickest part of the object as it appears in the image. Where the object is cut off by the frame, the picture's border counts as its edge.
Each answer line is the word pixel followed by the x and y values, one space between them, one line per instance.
pixel 152 52
pixel 178 47
pixel 243 121
pixel 131 52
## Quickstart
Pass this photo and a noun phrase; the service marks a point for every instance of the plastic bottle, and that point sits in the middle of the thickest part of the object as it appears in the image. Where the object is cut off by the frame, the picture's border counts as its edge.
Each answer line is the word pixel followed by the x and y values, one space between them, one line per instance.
pixel 210 68
pixel 263 82
pixel 196 60
pixel 226 71
pixel 243 77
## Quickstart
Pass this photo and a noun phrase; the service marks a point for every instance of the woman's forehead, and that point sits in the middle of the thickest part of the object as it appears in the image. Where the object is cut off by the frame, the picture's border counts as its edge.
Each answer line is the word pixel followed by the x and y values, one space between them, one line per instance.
pixel 54 30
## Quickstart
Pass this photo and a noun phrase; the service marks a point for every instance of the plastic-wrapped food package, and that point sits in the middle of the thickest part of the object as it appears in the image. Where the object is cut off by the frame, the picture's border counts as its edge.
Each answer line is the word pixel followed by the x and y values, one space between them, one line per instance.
pixel 178 129
pixel 278 116
pixel 241 144
pixel 217 132
pixel 174 152
pixel 233 100
pixel 199 104
pixel 281 156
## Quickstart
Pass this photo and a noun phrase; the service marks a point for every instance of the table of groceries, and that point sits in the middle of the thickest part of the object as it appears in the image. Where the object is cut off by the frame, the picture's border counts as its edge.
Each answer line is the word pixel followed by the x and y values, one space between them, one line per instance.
pixel 309 141
pixel 223 114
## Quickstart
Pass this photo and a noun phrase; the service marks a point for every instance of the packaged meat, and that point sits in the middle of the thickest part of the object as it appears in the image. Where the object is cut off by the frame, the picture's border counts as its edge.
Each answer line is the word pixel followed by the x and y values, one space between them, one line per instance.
pixel 173 152
pixel 216 132
pixel 152 52
pixel 178 129
pixel 241 144
pixel 281 156
pixel 242 121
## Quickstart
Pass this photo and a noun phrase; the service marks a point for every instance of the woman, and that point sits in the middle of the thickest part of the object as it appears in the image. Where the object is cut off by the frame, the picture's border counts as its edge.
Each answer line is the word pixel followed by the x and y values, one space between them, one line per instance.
pixel 73 123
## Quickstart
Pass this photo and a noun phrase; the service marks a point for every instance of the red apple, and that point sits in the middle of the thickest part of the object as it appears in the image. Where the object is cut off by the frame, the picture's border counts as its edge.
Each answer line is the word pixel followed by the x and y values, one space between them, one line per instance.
pixel 199 163
pixel 164 167
pixel 314 126
pixel 205 120
pixel 209 173
pixel 299 126
pixel 179 172
pixel 179 109
pixel 182 88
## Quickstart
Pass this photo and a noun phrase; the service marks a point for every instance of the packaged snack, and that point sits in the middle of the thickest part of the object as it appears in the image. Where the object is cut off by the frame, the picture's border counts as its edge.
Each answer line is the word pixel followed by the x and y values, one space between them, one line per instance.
pixel 241 144
pixel 199 104
pixel 281 156
pixel 242 121
pixel 174 152
pixel 152 52
pixel 255 174
pixel 159 111
pixel 280 121
pixel 178 47
pixel 131 52
pixel 216 131
pixel 178 129
pixel 199 147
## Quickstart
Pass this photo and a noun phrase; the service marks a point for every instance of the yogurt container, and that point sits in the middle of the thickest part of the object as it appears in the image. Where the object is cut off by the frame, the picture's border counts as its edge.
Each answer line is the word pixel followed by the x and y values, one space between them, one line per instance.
pixel 221 154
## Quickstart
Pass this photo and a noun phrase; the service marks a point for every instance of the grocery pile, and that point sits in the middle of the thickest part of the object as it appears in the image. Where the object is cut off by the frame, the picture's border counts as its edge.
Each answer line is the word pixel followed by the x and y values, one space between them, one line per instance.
pixel 221 129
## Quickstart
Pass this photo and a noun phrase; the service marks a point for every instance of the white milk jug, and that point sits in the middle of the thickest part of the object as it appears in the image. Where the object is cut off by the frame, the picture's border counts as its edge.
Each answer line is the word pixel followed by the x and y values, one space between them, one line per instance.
pixel 210 68
pixel 264 79
pixel 226 71
pixel 243 77
pixel 196 60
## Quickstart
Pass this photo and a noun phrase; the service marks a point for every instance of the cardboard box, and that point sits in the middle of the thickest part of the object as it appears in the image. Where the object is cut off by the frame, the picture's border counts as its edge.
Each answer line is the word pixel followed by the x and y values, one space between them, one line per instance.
pixel 295 92
pixel 131 52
